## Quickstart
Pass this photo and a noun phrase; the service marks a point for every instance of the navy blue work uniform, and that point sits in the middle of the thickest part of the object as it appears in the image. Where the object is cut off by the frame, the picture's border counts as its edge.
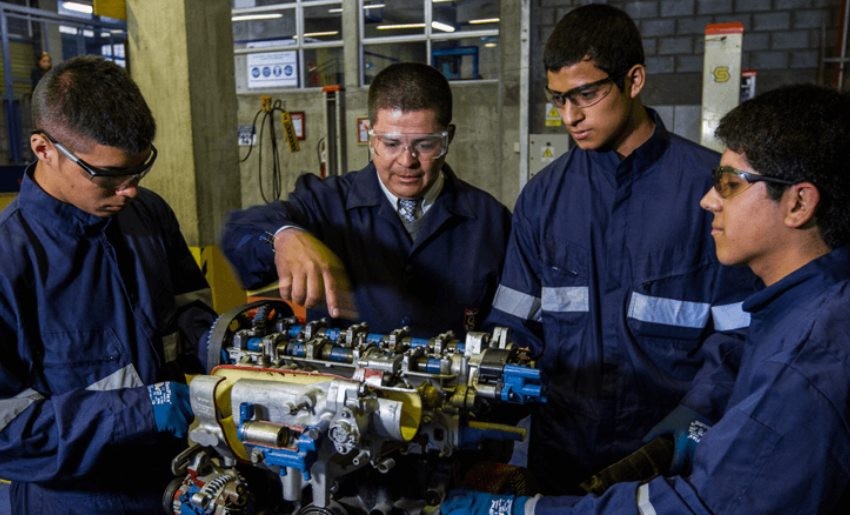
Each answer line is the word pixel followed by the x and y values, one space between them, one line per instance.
pixel 783 444
pixel 611 279
pixel 444 279
pixel 92 309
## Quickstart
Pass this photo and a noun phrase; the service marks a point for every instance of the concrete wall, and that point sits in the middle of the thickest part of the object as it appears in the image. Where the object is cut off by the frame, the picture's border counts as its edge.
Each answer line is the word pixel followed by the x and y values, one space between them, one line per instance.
pixel 783 41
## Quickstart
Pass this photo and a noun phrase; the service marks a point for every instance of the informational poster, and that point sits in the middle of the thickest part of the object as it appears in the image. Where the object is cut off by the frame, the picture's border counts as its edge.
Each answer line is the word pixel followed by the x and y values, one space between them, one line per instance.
pixel 273 69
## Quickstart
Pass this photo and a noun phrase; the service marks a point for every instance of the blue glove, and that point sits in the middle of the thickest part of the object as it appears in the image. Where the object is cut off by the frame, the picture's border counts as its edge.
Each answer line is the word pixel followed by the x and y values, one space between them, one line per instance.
pixel 470 502
pixel 171 409
pixel 686 426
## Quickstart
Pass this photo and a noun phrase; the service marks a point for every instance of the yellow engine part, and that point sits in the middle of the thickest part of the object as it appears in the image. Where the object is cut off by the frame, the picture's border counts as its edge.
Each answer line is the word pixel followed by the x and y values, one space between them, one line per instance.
pixel 411 415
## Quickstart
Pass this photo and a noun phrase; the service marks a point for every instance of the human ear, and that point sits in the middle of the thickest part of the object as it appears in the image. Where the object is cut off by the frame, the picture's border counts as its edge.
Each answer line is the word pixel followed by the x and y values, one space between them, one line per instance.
pixel 637 79
pixel 802 200
pixel 41 147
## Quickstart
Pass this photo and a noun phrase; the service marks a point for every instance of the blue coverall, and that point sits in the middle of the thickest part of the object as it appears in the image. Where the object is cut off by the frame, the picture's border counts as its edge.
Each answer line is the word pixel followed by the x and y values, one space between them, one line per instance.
pixel 783 445
pixel 443 280
pixel 611 279
pixel 91 310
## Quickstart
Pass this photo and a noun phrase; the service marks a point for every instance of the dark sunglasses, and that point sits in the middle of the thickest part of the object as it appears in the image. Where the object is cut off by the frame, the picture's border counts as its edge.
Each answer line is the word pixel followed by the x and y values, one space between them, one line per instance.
pixel 108 178
pixel 729 181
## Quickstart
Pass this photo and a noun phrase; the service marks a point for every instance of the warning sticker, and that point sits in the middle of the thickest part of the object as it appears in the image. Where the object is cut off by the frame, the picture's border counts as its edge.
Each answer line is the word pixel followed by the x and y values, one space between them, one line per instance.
pixel 553 117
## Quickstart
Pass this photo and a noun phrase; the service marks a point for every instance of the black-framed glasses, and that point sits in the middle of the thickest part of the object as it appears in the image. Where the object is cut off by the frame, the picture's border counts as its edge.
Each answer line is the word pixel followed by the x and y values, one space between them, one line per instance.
pixel 729 181
pixel 107 178
pixel 585 96
pixel 427 146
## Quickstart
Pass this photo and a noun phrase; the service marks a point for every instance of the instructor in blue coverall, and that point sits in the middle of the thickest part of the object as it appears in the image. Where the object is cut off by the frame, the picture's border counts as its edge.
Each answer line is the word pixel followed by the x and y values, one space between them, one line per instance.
pixel 610 275
pixel 101 306
pixel 401 243
pixel 781 206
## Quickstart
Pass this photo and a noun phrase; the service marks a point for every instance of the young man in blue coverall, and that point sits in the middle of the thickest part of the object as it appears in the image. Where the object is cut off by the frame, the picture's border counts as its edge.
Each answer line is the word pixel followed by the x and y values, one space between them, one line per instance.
pixel 781 205
pixel 101 306
pixel 610 275
pixel 341 246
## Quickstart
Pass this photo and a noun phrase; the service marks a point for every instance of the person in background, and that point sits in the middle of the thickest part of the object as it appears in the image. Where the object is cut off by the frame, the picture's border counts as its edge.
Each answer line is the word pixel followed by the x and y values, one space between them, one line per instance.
pixel 42 66
pixel 401 243
pixel 102 306
pixel 780 205
pixel 610 275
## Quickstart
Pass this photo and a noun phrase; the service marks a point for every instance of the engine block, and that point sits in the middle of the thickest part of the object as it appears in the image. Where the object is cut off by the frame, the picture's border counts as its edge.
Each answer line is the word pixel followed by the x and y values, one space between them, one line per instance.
pixel 313 405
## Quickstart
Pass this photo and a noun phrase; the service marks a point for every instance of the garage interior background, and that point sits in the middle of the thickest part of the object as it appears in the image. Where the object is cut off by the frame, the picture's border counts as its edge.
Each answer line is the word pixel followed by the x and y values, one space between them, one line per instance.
pixel 191 58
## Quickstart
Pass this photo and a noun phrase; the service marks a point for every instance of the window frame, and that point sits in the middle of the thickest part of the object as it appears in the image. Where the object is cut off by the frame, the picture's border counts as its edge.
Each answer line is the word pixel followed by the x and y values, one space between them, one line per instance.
pixel 299 45
pixel 428 36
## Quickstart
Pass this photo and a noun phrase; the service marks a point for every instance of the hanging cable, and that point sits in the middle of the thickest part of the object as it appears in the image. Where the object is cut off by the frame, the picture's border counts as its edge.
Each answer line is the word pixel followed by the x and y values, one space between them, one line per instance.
pixel 268 110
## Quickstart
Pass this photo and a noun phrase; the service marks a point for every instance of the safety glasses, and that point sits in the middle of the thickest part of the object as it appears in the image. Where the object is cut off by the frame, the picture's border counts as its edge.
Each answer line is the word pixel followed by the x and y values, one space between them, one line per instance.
pixel 729 181
pixel 425 146
pixel 585 96
pixel 107 178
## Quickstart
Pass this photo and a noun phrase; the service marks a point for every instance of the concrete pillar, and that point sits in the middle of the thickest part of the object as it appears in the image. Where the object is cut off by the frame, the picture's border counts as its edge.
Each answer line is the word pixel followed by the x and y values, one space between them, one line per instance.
pixel 180 52
pixel 181 56
pixel 510 41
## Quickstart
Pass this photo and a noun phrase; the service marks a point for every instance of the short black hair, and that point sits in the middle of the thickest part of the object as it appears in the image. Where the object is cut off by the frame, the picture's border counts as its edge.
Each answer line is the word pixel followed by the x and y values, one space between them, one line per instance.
pixel 799 133
pixel 92 98
pixel 601 33
pixel 411 87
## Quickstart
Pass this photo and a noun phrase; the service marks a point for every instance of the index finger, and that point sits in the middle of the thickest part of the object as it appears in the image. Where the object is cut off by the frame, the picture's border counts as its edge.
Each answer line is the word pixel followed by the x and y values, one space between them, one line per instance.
pixel 338 295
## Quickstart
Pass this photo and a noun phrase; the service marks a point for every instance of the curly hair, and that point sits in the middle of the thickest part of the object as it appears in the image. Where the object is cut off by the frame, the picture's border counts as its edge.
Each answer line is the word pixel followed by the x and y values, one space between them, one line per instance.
pixel 799 133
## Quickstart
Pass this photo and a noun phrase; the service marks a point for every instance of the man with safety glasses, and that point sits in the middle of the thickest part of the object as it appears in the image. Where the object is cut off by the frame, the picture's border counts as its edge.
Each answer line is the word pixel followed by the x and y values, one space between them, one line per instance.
pixel 610 275
pixel 102 306
pixel 401 243
pixel 781 206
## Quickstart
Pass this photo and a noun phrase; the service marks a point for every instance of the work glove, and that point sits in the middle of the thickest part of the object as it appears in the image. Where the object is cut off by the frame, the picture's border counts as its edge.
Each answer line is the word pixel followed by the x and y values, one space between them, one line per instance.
pixel 471 502
pixel 686 427
pixel 171 408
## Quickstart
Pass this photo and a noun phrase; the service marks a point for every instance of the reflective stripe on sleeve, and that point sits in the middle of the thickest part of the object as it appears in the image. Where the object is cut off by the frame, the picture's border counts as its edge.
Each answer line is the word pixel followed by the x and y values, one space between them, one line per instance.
pixel 126 377
pixel 660 310
pixel 11 408
pixel 517 303
pixel 204 295
pixel 566 299
pixel 728 317
pixel 644 504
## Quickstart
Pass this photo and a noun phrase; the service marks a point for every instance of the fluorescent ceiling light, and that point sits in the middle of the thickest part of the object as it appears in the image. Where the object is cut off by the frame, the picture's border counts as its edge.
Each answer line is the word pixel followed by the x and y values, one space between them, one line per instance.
pixel 335 10
pixel 253 17
pixel 434 25
pixel 77 7
pixel 442 26
pixel 321 34
pixel 490 45
pixel 399 26
pixel 483 21
pixel 373 6
pixel 441 1
pixel 65 29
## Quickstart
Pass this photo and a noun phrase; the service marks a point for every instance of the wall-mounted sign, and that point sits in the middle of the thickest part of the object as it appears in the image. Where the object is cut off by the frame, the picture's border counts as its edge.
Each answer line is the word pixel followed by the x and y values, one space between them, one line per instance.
pixel 362 130
pixel 298 124
pixel 273 69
